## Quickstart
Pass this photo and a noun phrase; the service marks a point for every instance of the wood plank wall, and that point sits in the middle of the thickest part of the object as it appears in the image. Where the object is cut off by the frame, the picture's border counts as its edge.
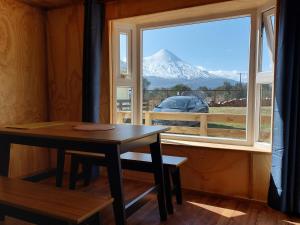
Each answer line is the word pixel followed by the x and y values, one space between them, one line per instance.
pixel 234 173
pixel 23 80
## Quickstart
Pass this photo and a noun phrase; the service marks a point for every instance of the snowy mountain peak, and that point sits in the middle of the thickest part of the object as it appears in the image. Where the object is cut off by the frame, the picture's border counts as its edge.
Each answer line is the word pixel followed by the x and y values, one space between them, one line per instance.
pixel 166 64
pixel 163 55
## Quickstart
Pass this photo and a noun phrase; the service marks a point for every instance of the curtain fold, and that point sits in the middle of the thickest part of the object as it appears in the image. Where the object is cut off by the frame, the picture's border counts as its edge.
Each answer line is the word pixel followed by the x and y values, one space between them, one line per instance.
pixel 284 191
pixel 92 56
pixel 92 46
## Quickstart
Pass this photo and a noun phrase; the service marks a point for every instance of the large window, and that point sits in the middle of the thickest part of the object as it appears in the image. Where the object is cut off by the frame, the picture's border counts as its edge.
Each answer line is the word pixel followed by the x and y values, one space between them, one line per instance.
pixel 195 77
pixel 205 79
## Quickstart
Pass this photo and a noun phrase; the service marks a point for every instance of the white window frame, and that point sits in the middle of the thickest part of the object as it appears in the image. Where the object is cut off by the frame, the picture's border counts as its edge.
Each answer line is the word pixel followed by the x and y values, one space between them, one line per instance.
pixel 137 40
pixel 128 80
pixel 264 77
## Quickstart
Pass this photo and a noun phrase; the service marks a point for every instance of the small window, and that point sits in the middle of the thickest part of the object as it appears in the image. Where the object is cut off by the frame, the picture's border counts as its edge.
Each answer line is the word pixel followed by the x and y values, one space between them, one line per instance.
pixel 124 105
pixel 124 70
pixel 266 54
pixel 273 22
pixel 264 79
pixel 265 109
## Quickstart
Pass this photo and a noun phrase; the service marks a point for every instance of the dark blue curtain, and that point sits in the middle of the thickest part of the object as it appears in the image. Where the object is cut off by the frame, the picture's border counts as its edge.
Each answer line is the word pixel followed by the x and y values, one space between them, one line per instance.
pixel 284 191
pixel 93 31
pixel 92 56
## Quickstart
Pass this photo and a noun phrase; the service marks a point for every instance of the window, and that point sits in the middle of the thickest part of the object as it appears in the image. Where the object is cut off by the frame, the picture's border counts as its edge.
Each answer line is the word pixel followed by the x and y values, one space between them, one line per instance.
pixel 124 104
pixel 199 77
pixel 265 77
pixel 124 55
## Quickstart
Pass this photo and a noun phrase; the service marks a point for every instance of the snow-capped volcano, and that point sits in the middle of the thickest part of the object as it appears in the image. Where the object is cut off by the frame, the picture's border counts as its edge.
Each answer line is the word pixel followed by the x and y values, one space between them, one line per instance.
pixel 166 65
pixel 164 69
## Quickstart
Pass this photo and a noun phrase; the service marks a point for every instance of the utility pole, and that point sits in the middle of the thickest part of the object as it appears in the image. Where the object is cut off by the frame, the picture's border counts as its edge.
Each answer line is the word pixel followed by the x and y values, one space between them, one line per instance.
pixel 240 80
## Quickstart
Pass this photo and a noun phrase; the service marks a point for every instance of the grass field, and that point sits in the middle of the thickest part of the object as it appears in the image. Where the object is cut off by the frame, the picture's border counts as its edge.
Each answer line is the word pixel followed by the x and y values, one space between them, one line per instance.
pixel 265 111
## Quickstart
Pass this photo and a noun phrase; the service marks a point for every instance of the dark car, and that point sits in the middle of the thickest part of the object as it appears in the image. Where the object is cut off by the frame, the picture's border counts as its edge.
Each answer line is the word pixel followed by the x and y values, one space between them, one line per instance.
pixel 192 104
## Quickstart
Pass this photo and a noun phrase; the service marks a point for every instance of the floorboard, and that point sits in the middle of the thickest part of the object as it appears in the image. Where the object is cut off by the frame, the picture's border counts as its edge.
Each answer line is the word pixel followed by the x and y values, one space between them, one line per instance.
pixel 197 209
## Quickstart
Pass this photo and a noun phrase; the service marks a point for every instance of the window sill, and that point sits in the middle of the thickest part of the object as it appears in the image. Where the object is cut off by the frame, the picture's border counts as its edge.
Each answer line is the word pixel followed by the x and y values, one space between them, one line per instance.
pixel 256 148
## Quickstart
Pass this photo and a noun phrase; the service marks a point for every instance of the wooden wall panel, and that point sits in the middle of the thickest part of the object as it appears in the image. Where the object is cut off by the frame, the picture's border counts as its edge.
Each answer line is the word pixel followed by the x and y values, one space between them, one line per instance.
pixel 64 37
pixel 50 4
pixel 228 172
pixel 261 175
pixel 210 170
pixel 23 81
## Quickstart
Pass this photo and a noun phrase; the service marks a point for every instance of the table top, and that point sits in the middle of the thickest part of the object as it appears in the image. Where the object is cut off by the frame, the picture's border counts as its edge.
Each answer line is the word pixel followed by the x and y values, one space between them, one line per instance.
pixel 122 133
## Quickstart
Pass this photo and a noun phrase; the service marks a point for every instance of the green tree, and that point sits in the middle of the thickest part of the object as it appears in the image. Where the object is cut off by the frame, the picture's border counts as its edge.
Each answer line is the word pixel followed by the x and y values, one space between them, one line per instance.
pixel 180 87
pixel 203 88
pixel 146 83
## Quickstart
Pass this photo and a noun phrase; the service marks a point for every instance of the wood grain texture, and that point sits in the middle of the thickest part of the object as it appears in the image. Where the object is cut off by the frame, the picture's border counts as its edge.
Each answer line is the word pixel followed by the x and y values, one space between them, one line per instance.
pixel 65 38
pixel 121 134
pixel 197 209
pixel 69 206
pixel 50 4
pixel 23 83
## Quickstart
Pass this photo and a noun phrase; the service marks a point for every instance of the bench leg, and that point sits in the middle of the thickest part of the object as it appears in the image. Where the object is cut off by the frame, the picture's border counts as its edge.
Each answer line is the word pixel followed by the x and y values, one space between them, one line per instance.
pixel 177 185
pixel 73 172
pixel 60 167
pixel 96 220
pixel 87 172
pixel 156 155
pixel 169 203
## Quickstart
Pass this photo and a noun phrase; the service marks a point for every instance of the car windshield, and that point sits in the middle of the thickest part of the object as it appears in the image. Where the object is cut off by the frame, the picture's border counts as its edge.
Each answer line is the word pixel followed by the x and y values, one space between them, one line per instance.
pixel 174 103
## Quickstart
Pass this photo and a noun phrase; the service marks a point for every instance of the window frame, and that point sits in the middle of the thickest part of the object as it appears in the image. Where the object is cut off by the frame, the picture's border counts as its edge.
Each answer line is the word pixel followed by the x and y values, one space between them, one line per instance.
pixel 137 54
pixel 264 77
pixel 117 80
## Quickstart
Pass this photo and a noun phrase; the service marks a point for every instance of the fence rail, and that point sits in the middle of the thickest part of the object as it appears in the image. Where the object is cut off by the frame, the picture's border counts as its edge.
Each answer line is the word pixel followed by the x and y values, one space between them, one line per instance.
pixel 210 124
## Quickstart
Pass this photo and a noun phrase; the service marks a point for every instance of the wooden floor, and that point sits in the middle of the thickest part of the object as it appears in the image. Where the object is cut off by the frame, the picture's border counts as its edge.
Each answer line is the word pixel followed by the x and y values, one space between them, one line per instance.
pixel 197 209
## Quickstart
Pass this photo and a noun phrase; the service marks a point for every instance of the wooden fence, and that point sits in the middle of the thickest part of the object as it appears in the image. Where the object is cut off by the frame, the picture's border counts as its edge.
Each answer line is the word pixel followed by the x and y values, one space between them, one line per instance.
pixel 210 124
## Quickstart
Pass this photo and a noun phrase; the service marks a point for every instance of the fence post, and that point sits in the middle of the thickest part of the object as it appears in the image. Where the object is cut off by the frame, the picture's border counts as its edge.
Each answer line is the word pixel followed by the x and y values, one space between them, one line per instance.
pixel 203 125
pixel 148 118
pixel 120 117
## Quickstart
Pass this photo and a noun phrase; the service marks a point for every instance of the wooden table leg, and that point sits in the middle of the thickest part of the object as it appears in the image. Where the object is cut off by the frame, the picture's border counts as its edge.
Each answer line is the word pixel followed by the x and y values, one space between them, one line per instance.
pixel 4 157
pixel 116 185
pixel 60 167
pixel 4 162
pixel 156 154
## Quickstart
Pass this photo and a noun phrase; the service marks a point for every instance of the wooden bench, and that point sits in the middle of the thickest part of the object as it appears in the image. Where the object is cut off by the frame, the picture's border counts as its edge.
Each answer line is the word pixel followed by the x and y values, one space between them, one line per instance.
pixel 45 205
pixel 133 161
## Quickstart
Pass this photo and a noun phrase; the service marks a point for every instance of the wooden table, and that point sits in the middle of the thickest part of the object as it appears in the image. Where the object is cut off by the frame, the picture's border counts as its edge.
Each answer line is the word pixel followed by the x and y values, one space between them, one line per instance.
pixel 112 143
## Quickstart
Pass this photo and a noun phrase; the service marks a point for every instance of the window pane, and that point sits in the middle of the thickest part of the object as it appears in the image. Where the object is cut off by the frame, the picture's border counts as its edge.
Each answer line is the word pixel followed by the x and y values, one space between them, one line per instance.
pixel 266 55
pixel 273 22
pixel 195 78
pixel 124 54
pixel 124 105
pixel 265 113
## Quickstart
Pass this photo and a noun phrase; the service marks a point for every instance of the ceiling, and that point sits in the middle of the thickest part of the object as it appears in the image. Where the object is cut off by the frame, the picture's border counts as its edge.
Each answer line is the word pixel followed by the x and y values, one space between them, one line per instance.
pixel 50 3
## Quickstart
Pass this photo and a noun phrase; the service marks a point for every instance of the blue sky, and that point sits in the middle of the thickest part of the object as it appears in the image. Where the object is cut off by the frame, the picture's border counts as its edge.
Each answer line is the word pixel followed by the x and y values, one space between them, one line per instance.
pixel 218 45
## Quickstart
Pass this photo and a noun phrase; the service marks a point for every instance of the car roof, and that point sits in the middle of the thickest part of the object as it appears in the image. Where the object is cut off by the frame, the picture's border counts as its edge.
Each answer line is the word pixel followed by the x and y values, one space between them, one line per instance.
pixel 182 97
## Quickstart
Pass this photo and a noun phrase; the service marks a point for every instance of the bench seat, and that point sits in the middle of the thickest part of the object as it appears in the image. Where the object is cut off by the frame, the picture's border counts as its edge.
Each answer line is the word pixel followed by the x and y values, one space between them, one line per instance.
pixel 40 200
pixel 172 161
pixel 132 161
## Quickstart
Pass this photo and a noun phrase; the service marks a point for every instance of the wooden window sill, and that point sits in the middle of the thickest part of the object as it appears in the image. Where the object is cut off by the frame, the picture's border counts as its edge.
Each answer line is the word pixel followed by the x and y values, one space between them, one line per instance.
pixel 256 149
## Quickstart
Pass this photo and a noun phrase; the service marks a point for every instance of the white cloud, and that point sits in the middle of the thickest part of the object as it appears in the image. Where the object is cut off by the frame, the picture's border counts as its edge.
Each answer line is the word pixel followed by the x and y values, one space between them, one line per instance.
pixel 233 74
